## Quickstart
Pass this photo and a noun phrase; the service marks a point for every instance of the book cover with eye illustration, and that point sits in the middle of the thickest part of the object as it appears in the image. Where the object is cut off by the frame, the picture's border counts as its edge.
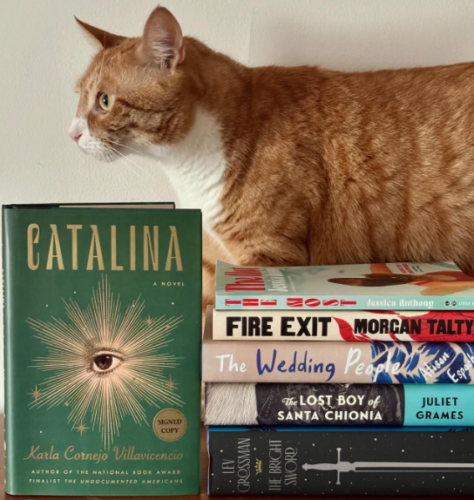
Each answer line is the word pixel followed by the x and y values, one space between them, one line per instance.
pixel 400 286
pixel 102 349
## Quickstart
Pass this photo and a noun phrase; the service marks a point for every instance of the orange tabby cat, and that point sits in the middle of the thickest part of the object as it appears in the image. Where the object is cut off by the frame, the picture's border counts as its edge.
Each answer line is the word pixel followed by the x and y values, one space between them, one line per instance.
pixel 291 166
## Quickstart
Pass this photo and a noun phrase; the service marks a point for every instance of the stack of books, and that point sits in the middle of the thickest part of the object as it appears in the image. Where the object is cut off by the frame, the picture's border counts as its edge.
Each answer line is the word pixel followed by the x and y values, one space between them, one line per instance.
pixel 341 380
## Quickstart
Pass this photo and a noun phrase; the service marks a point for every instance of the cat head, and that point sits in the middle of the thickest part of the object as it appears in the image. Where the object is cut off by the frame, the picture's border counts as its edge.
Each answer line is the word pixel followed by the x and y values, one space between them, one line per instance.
pixel 135 92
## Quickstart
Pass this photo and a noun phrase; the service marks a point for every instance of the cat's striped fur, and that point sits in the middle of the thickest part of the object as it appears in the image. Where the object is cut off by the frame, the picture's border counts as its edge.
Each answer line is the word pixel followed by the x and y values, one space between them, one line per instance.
pixel 292 166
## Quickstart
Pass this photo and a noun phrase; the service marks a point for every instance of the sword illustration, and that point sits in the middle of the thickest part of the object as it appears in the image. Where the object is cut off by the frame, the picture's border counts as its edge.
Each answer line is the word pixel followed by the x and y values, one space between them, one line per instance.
pixel 341 467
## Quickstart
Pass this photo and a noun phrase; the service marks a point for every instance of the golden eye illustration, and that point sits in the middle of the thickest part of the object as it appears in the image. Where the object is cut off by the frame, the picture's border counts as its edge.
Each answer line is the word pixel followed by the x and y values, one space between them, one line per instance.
pixel 105 362
pixel 106 101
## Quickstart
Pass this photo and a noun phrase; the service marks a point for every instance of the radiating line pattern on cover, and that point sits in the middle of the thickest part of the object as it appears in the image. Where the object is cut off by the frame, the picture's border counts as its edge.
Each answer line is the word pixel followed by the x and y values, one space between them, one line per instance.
pixel 104 363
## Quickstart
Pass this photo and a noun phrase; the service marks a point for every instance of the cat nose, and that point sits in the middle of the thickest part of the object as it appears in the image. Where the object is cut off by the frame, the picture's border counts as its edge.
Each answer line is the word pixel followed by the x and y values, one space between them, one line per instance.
pixel 76 129
pixel 75 135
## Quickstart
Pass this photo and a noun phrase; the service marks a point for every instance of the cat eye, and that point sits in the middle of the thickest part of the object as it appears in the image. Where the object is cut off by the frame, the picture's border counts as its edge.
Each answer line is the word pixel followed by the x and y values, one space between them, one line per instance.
pixel 105 362
pixel 105 101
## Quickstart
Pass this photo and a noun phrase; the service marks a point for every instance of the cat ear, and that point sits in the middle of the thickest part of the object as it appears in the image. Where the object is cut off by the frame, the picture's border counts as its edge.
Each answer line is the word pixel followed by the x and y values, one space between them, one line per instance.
pixel 105 38
pixel 162 42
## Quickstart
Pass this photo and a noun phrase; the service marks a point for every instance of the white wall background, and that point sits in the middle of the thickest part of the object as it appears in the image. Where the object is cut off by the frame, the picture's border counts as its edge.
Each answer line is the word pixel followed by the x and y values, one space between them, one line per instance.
pixel 43 52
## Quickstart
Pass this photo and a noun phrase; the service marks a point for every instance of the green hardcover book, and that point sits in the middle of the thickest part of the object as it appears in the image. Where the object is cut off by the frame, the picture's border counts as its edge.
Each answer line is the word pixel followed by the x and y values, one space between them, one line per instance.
pixel 102 349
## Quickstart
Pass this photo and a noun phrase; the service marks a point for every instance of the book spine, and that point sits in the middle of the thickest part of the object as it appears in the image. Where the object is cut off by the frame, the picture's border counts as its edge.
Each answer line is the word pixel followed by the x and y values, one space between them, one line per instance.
pixel 271 302
pixel 350 326
pixel 352 462
pixel 8 298
pixel 339 405
pixel 338 362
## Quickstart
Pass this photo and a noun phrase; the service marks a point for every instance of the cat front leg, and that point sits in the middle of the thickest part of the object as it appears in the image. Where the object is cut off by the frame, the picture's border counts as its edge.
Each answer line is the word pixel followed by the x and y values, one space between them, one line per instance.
pixel 212 252
pixel 466 266
pixel 280 257
pixel 274 253
pixel 208 284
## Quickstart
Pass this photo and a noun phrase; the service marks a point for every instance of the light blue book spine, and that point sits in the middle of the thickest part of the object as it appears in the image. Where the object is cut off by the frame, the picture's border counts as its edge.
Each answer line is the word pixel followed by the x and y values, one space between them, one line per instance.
pixel 341 303
pixel 389 287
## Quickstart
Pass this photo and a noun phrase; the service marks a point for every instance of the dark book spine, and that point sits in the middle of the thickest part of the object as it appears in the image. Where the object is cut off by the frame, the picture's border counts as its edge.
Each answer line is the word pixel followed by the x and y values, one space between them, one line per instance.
pixel 340 405
pixel 330 404
pixel 356 462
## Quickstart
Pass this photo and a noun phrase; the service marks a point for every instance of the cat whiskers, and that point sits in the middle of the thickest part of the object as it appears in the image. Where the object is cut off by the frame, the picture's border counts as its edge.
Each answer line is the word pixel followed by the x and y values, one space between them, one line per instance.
pixel 125 146
pixel 110 156
pixel 107 156
pixel 127 162
pixel 125 158
pixel 114 154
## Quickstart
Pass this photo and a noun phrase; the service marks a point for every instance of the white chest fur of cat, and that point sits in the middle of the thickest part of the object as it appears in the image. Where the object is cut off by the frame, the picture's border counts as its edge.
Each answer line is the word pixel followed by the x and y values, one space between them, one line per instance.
pixel 195 166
